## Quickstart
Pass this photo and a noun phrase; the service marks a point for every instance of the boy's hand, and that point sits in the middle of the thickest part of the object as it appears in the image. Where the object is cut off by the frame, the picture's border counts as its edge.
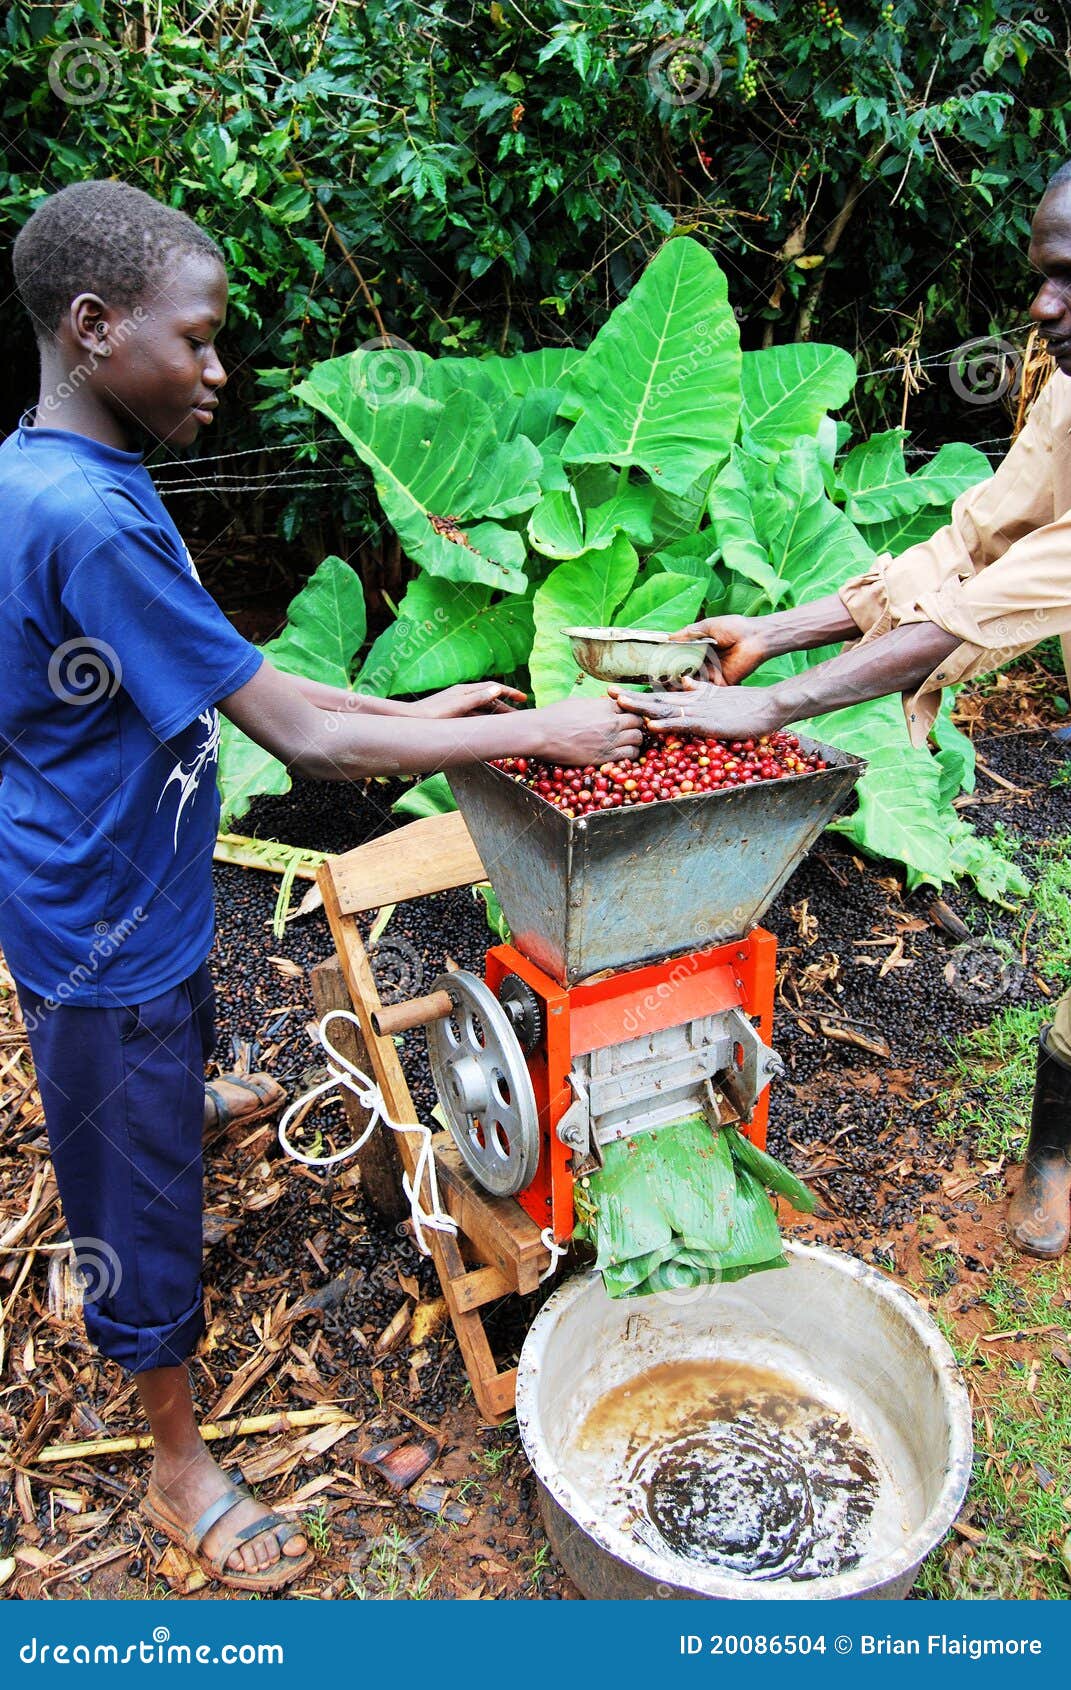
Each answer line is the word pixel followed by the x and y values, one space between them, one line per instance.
pixel 737 646
pixel 470 699
pixel 723 712
pixel 581 731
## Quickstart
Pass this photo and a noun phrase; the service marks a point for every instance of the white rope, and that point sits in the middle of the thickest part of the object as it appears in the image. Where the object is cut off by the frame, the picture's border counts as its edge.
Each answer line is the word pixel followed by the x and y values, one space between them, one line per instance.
pixel 557 1251
pixel 342 1072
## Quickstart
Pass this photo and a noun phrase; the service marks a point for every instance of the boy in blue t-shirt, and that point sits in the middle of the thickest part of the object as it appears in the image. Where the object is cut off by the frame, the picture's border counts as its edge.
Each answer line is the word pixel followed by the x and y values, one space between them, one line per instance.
pixel 115 660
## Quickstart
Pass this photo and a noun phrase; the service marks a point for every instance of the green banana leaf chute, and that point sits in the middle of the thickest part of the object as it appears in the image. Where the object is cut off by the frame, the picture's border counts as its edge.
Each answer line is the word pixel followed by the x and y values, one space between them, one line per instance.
pixel 683 1206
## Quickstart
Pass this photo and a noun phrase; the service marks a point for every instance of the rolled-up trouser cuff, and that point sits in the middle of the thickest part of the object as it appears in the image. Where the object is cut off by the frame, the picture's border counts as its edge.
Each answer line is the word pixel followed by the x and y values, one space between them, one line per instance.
pixel 140 1348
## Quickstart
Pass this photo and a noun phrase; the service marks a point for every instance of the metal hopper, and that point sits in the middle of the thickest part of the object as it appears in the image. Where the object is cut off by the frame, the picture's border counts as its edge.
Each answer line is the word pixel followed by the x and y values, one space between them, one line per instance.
pixel 638 884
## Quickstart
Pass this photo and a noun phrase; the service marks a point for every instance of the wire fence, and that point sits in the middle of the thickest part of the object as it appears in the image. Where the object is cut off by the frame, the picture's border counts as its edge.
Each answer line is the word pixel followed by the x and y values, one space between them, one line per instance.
pixel 186 474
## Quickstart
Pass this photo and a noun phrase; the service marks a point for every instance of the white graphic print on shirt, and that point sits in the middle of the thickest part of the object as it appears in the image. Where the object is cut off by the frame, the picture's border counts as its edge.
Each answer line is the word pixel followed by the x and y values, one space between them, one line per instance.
pixel 188 775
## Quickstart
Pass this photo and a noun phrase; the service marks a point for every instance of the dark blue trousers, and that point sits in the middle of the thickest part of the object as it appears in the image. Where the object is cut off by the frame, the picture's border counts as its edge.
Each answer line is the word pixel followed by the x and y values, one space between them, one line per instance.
pixel 123 1092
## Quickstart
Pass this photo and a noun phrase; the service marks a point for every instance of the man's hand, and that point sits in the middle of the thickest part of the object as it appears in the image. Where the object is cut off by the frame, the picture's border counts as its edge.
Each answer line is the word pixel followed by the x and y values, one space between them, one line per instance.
pixel 722 712
pixel 580 731
pixel 737 645
pixel 473 698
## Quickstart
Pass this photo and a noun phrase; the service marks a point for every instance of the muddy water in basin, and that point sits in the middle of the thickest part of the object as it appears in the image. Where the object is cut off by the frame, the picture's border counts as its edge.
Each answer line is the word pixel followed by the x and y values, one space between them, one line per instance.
pixel 730 1465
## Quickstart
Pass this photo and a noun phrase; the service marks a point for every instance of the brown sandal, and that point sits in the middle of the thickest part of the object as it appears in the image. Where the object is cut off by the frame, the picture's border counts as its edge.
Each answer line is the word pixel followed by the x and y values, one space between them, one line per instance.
pixel 268 1092
pixel 160 1515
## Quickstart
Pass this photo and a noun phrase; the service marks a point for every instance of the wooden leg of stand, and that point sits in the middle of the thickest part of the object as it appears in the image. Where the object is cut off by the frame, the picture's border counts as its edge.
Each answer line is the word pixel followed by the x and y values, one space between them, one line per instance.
pixel 495 1392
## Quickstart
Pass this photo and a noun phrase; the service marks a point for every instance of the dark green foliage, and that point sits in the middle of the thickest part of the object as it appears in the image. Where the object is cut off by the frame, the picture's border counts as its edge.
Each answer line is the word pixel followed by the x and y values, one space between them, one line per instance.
pixel 497 178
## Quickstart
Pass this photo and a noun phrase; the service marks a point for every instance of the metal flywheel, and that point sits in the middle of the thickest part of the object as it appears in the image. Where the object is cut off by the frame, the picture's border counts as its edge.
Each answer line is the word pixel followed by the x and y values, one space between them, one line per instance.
pixel 484 1086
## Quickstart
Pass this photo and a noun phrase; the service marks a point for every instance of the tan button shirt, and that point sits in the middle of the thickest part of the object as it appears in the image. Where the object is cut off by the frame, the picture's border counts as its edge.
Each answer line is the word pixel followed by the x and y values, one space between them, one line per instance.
pixel 998 576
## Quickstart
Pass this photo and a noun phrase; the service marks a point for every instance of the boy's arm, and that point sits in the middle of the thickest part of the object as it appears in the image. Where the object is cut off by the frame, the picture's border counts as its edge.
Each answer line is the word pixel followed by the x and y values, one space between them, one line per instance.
pixel 465 700
pixel 347 745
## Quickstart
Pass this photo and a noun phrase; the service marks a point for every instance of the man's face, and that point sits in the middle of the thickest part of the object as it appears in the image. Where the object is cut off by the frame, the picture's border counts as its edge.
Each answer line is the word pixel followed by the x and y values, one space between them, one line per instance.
pixel 162 372
pixel 1050 253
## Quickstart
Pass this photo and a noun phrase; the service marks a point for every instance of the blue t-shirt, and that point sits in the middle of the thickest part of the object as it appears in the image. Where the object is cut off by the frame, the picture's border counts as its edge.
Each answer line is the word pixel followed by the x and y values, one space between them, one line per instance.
pixel 112 658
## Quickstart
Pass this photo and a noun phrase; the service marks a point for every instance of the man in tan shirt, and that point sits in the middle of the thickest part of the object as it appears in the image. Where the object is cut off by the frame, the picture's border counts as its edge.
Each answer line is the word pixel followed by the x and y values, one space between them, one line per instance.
pixel 983 590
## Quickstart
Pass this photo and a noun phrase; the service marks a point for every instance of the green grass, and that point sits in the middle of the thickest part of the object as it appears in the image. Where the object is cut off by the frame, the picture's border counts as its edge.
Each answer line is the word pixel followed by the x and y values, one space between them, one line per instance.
pixel 1020 1495
pixel 392 1571
pixel 317 1529
pixel 996 1062
pixel 538 1567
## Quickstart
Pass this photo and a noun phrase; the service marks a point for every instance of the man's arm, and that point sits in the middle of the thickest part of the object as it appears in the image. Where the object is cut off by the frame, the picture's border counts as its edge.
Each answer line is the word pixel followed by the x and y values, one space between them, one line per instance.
pixel 347 745
pixel 894 662
pixel 989 520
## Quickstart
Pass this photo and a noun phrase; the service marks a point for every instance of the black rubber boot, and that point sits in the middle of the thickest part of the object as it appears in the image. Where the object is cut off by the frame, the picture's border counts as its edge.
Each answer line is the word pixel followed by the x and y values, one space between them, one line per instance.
pixel 1039 1214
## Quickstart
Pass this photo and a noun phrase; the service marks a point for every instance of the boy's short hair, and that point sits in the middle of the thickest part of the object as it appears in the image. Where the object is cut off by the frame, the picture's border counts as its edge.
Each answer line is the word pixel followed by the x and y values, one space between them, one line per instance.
pixel 100 237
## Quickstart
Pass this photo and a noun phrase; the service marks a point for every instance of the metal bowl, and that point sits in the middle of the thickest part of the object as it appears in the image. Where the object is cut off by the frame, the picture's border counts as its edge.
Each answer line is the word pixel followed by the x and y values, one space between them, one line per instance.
pixel 635 654
pixel 842 1332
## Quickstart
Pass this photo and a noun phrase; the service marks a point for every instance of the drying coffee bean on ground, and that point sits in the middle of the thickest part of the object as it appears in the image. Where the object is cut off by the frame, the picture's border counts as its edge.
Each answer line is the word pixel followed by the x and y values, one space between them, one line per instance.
pixel 869 999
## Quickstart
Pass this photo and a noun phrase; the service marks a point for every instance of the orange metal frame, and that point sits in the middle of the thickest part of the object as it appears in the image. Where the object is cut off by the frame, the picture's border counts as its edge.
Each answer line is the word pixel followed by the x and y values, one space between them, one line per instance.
pixel 623 1006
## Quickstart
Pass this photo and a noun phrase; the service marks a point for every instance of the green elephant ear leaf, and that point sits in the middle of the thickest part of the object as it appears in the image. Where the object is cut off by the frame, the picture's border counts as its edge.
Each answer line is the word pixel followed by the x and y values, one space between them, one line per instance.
pixel 435 466
pixel 428 797
pixel 785 391
pixel 446 633
pixel 630 510
pixel 733 518
pixel 659 384
pixel 812 546
pixel 879 488
pixel 583 592
pixel 664 601
pixel 556 526
pixel 325 629
pixel 899 812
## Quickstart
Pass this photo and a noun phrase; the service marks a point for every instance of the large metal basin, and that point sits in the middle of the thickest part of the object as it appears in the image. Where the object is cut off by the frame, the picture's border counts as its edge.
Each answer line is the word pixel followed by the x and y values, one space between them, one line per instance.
pixel 837 1328
pixel 638 884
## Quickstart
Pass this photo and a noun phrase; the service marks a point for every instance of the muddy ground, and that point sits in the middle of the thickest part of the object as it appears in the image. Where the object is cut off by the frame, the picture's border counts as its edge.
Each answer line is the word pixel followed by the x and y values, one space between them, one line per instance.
pixel 863 1128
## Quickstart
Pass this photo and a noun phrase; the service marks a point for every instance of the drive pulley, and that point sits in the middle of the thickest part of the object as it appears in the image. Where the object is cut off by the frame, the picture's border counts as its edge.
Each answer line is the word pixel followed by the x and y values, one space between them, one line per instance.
pixel 484 1087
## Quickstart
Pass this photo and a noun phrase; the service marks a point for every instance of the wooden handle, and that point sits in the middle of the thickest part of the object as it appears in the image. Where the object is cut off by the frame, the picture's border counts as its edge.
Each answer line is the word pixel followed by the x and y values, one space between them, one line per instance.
pixel 415 1012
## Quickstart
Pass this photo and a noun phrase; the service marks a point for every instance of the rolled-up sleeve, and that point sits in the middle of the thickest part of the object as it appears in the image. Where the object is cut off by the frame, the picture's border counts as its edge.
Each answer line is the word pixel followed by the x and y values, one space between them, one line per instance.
pixel 997 577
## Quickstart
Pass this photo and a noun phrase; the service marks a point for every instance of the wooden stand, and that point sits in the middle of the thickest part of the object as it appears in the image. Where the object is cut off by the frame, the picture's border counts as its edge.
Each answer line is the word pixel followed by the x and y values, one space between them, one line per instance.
pixel 498 1249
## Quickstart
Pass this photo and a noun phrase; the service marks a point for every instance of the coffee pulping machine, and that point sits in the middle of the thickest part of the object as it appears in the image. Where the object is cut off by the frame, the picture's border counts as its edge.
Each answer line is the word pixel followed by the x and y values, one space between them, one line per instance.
pixel 636 988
